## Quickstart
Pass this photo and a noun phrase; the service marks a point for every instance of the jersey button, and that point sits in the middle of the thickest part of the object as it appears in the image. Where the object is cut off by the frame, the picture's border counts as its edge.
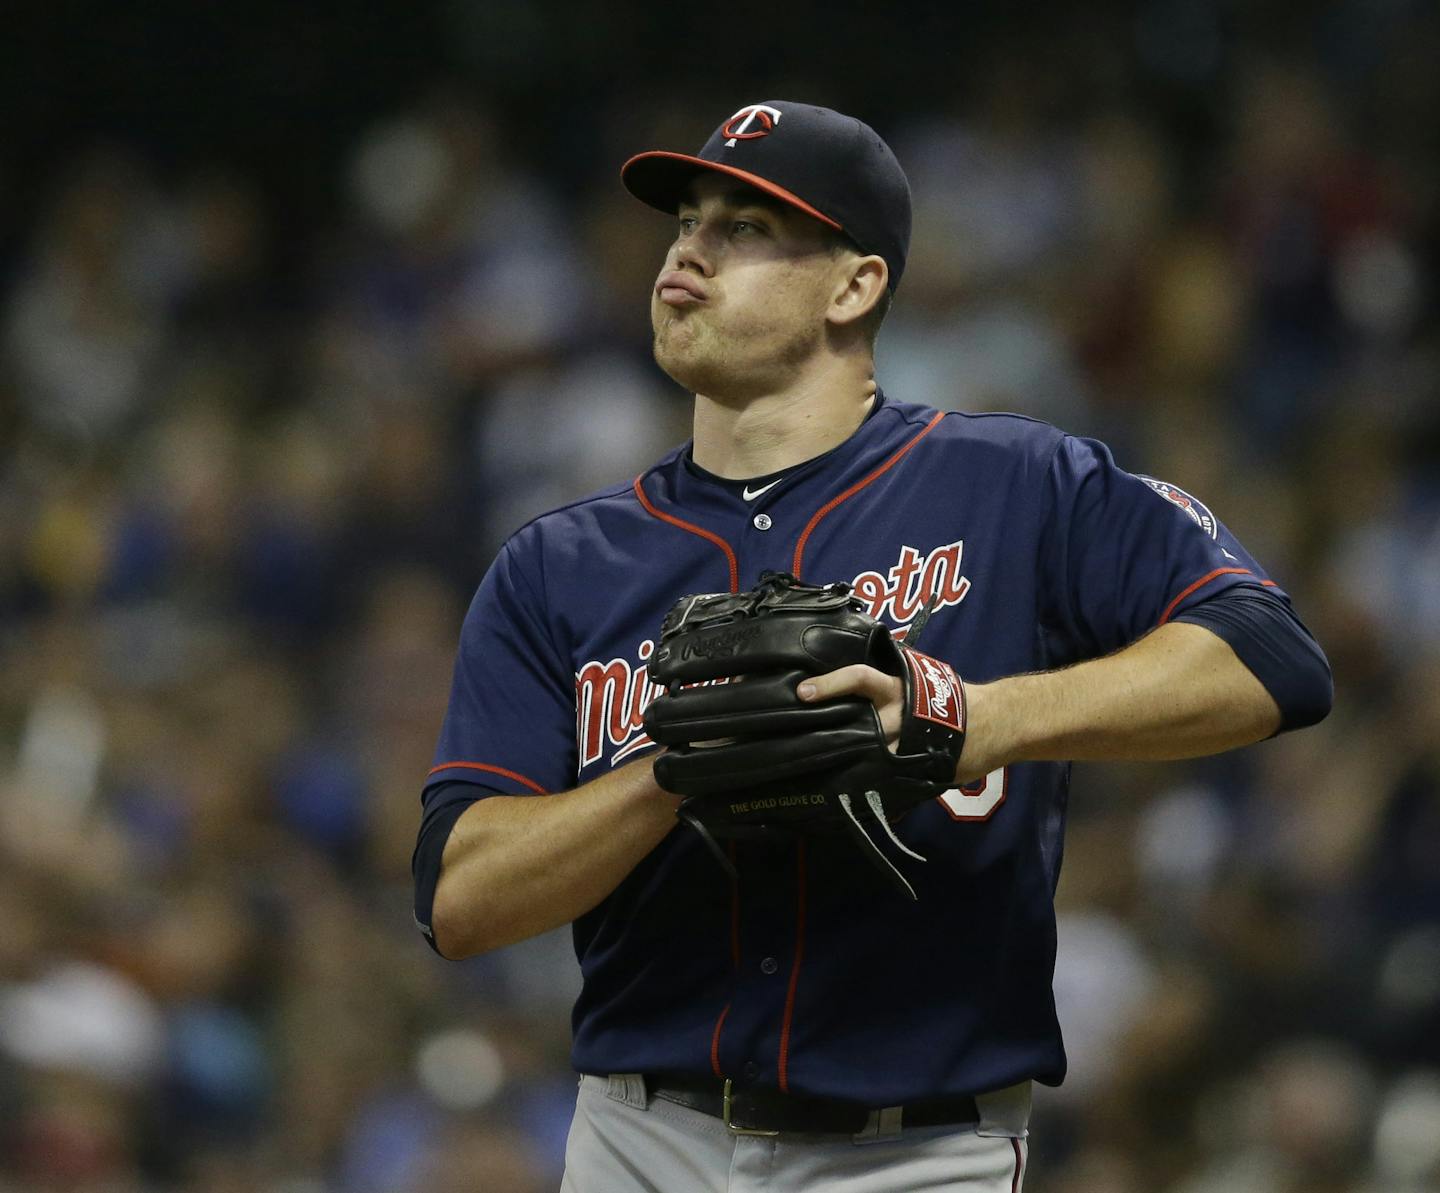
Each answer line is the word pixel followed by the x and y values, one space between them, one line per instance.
pixel 762 522
pixel 769 965
pixel 751 1070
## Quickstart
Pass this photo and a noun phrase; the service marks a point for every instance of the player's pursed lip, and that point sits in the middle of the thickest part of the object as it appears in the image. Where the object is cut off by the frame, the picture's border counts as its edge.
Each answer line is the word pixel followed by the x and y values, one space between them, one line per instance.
pixel 677 288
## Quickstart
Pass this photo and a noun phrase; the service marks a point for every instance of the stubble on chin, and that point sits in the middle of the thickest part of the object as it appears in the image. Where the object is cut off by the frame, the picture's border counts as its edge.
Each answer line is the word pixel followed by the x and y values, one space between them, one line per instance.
pixel 683 349
pixel 727 361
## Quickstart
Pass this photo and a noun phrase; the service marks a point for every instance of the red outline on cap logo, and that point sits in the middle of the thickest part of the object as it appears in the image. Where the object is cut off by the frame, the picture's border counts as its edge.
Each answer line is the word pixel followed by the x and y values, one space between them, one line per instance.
pixel 769 117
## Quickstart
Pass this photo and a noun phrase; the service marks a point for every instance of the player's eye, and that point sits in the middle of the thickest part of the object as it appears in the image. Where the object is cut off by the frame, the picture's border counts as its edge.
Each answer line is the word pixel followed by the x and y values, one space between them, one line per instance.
pixel 745 227
pixel 687 223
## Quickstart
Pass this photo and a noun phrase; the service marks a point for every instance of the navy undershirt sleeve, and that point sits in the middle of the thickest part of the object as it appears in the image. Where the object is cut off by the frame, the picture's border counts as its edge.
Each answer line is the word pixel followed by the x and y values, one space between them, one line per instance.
pixel 444 804
pixel 1274 644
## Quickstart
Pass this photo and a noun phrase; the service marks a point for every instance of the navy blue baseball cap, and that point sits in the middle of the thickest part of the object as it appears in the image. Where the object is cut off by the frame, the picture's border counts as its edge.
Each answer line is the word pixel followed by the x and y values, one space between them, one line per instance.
pixel 828 165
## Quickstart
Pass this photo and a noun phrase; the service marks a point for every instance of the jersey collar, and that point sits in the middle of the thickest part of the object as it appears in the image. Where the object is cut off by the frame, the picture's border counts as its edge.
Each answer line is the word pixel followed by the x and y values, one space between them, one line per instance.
pixel 751 488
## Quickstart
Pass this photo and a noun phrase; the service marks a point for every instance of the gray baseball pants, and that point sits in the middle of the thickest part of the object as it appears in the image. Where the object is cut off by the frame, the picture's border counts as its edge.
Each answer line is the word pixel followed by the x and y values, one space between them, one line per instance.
pixel 622 1141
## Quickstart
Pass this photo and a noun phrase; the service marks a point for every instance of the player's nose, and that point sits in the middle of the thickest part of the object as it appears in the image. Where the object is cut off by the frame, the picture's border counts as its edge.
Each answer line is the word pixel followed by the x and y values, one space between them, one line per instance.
pixel 691 253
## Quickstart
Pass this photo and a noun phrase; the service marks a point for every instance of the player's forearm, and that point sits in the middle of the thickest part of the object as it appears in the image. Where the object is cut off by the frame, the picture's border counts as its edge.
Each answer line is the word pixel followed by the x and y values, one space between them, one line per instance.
pixel 517 866
pixel 1179 692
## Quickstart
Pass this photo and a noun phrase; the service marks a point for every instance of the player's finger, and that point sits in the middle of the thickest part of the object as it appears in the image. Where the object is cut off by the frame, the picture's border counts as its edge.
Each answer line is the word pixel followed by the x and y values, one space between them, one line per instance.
pixel 885 692
pixel 854 680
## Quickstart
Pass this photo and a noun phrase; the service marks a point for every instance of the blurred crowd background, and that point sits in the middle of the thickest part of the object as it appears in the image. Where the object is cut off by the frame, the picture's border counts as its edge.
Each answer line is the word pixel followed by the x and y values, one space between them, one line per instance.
pixel 303 309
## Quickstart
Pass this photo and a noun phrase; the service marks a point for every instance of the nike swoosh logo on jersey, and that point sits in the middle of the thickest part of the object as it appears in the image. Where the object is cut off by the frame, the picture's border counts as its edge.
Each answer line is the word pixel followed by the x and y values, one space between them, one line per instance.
pixel 749 496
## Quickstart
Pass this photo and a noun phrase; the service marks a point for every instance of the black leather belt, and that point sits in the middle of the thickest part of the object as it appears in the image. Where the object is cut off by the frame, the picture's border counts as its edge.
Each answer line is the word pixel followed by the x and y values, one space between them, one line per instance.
pixel 756 1111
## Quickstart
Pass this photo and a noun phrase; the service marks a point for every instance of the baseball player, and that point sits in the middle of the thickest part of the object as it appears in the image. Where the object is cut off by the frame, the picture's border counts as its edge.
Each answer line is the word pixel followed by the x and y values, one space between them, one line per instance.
pixel 793 1021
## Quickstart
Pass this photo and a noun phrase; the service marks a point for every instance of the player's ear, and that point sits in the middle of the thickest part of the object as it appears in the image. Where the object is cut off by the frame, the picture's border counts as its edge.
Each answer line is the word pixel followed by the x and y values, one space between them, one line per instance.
pixel 860 285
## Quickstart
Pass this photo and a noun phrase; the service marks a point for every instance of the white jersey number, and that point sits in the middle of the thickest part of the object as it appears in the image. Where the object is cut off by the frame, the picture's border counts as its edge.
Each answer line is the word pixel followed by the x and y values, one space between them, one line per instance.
pixel 979 800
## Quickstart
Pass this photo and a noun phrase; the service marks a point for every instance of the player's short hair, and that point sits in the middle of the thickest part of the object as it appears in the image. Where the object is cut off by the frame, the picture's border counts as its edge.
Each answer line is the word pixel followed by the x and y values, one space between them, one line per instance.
pixel 869 325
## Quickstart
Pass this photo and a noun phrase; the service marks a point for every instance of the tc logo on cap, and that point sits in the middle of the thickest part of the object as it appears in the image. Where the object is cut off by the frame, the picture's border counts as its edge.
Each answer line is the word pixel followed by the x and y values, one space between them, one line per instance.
pixel 768 118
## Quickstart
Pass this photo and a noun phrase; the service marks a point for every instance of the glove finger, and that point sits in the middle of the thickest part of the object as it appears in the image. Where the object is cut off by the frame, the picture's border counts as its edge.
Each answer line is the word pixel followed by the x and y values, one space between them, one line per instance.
pixel 761 692
pixel 728 724
pixel 762 704
pixel 756 761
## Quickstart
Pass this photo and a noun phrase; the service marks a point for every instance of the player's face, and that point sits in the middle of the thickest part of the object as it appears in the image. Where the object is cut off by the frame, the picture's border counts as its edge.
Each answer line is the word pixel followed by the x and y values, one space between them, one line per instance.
pixel 740 304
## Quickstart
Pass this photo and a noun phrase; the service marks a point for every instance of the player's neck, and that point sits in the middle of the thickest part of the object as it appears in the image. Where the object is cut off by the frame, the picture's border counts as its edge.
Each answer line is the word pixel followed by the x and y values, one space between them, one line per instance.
pixel 772 432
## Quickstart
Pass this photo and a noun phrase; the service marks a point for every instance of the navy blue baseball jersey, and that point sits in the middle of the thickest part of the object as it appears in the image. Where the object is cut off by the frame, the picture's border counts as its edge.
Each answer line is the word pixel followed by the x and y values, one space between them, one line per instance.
pixel 811 973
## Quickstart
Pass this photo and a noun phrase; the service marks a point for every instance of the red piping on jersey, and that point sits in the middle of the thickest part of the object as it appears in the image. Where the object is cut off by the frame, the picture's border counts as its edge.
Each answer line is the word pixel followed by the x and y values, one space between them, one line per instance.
pixel 1019 1166
pixel 494 770
pixel 855 488
pixel 734 957
pixel 794 969
pixel 1204 580
pixel 693 529
pixel 715 1044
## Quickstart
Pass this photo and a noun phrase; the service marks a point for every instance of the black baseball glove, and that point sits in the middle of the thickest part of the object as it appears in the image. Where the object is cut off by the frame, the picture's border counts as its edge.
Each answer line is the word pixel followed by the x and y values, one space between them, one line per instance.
pixel 752 759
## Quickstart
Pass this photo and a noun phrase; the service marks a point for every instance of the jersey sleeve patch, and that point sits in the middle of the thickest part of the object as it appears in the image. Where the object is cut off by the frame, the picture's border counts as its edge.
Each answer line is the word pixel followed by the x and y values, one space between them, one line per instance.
pixel 1197 510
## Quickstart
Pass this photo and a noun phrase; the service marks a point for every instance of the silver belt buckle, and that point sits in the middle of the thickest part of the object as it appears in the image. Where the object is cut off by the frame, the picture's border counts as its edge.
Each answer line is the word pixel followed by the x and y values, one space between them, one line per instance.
pixel 725 1116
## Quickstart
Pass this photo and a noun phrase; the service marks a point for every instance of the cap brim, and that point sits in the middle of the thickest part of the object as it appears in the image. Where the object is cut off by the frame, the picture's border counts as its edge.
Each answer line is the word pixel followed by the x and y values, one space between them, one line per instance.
pixel 659 178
